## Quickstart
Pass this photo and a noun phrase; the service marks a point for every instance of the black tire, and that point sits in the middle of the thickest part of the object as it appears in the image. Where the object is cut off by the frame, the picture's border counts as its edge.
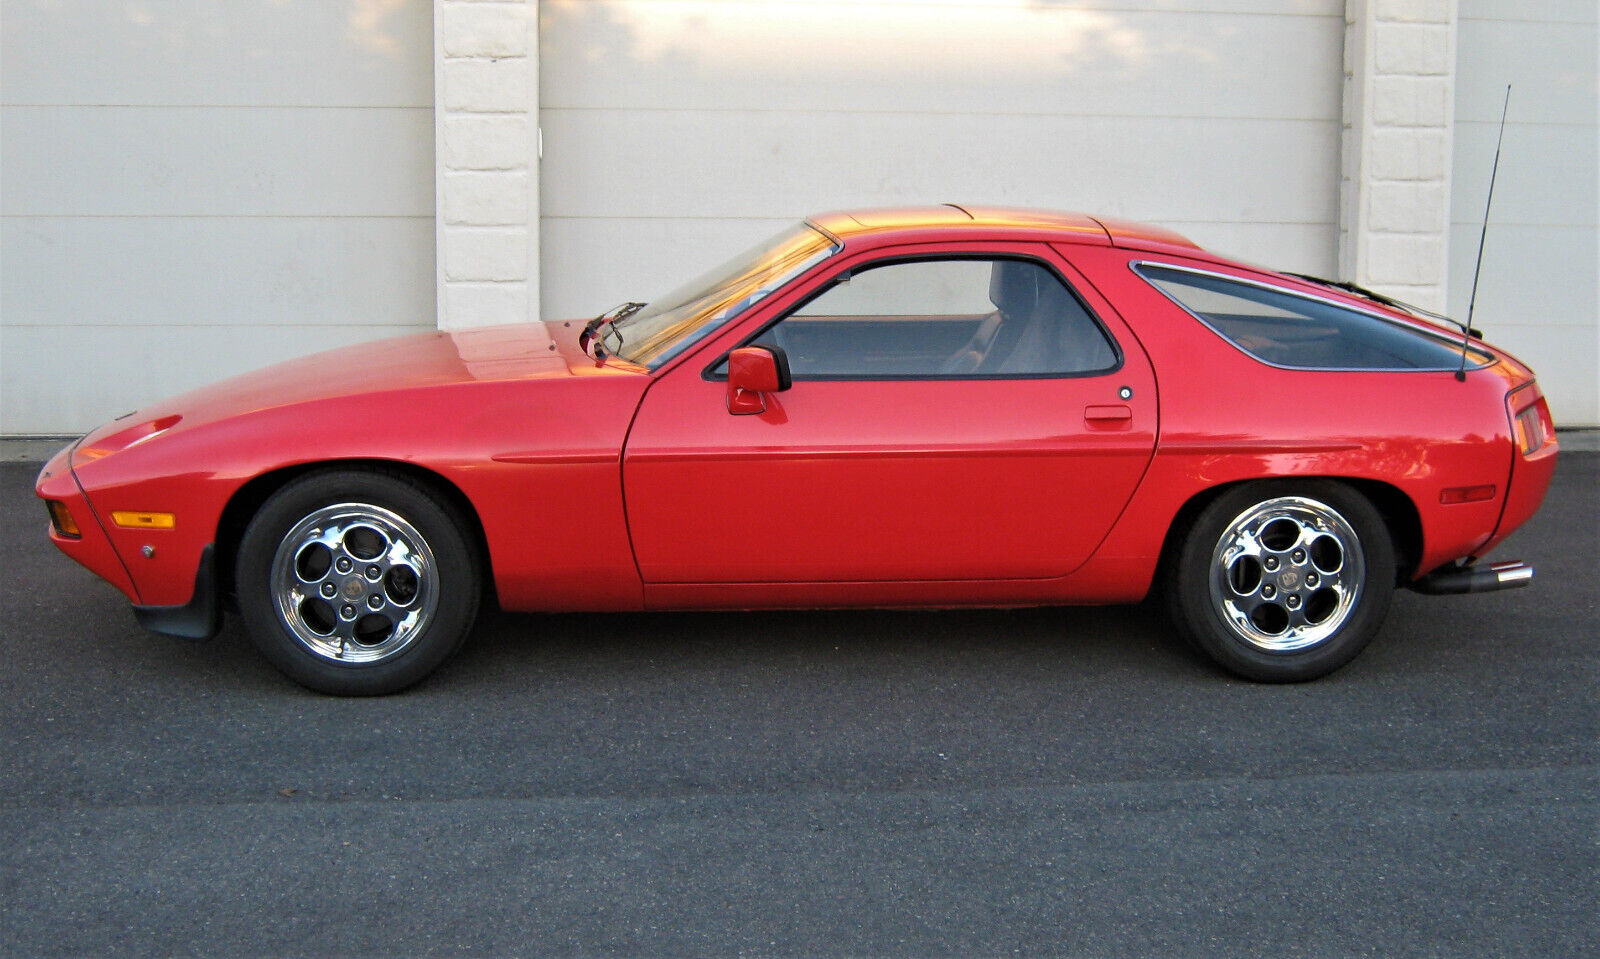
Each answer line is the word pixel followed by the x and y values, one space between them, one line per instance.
pixel 357 582
pixel 1283 581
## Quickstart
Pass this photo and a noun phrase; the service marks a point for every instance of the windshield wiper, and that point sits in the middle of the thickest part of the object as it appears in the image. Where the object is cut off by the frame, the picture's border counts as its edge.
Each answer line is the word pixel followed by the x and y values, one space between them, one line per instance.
pixel 622 312
pixel 1388 301
pixel 610 316
pixel 611 330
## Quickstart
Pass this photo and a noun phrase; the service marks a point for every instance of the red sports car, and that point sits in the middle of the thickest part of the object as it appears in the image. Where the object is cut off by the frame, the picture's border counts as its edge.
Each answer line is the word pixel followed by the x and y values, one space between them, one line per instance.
pixel 949 406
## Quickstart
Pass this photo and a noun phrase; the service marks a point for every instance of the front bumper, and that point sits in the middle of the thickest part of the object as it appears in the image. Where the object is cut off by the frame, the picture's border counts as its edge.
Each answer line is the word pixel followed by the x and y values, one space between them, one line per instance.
pixel 200 617
pixel 91 548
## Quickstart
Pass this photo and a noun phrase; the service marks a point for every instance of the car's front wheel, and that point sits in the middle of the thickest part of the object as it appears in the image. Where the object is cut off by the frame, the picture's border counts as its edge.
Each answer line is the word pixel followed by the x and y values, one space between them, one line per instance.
pixel 1283 582
pixel 357 582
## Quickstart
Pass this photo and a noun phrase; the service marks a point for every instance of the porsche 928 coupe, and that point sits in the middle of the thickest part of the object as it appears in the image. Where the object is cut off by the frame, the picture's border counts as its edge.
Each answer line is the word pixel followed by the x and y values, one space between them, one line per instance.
pixel 938 407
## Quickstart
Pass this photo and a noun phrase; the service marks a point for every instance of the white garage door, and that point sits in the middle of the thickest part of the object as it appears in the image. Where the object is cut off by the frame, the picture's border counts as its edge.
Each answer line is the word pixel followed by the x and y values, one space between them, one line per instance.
pixel 677 132
pixel 1540 285
pixel 191 188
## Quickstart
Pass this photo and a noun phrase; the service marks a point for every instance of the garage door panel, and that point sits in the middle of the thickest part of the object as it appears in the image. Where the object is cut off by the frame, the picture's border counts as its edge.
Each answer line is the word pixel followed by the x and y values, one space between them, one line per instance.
pixel 1547 173
pixel 613 163
pixel 1519 263
pixel 972 58
pixel 204 52
pixel 199 161
pixel 213 271
pixel 1552 64
pixel 1556 11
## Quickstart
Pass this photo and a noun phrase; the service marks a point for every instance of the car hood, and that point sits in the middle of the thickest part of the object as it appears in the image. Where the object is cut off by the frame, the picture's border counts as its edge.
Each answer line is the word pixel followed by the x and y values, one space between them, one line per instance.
pixel 518 352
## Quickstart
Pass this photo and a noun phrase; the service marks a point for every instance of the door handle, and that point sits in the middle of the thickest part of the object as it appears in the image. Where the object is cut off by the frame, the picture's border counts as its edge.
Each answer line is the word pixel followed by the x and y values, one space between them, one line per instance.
pixel 1108 415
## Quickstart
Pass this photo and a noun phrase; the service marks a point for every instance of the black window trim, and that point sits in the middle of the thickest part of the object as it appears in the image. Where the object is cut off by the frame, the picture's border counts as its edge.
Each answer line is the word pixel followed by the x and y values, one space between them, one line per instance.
pixel 710 373
pixel 1136 267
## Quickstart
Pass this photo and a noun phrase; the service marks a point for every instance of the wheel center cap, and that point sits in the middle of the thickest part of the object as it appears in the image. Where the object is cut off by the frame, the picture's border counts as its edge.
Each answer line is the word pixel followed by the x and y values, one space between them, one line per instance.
pixel 1290 579
pixel 354 587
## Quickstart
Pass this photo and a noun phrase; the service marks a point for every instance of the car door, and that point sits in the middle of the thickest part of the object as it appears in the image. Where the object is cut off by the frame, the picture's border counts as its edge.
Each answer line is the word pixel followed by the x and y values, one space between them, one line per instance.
pixel 957 412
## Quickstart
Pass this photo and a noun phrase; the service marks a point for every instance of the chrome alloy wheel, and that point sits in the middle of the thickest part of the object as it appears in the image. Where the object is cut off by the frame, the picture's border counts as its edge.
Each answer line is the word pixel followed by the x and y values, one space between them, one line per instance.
pixel 355 583
pixel 1287 573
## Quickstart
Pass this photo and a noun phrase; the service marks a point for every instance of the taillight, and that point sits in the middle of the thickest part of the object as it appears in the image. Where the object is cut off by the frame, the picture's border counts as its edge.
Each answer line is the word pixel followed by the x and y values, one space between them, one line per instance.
pixel 1530 418
pixel 61 519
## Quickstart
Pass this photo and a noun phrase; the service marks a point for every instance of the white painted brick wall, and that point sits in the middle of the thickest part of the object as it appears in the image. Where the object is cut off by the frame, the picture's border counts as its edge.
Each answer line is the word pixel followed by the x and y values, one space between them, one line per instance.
pixel 484 29
pixel 495 254
pixel 486 116
pixel 484 197
pixel 1409 154
pixel 1402 260
pixel 1399 118
pixel 1416 11
pixel 1409 101
pixel 479 141
pixel 1411 49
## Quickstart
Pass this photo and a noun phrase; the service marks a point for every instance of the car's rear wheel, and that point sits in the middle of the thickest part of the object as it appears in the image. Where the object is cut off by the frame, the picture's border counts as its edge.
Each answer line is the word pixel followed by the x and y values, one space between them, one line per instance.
pixel 1283 582
pixel 357 582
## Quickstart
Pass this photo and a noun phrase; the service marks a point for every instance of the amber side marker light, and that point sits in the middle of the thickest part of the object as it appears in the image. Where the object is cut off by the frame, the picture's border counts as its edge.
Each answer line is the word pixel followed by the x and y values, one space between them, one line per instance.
pixel 61 519
pixel 129 519
pixel 1466 494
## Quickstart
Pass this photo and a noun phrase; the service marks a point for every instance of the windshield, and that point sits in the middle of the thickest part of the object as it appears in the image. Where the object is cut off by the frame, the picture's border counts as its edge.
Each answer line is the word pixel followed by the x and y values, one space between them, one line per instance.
pixel 670 324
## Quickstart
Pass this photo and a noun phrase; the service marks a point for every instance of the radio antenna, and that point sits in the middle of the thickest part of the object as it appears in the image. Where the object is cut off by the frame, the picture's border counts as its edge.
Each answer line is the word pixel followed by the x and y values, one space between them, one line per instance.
pixel 1472 301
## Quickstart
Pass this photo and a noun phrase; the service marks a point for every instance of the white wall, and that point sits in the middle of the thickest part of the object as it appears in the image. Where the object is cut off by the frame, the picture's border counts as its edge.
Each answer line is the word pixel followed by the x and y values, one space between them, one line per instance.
pixel 1539 295
pixel 676 133
pixel 192 188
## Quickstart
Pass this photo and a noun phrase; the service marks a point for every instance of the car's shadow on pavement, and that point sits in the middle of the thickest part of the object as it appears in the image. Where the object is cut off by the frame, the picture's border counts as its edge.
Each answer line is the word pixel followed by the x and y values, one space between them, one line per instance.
pixel 513 649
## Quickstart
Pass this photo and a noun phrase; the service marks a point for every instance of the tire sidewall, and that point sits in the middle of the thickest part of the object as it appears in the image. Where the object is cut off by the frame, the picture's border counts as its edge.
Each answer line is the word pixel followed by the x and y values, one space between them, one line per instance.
pixel 436 521
pixel 1198 617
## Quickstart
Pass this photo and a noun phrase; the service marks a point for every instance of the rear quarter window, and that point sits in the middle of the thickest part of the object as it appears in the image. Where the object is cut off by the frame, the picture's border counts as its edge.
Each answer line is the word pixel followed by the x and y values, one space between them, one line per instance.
pixel 1300 332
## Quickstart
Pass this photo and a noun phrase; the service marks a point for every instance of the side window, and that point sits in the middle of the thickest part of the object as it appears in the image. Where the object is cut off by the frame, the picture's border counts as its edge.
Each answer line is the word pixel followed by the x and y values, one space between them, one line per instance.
pixel 957 317
pixel 1284 329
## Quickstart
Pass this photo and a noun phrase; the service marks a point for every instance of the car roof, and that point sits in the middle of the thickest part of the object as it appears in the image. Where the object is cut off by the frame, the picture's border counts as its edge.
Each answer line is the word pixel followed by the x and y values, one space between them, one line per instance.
pixel 1049 225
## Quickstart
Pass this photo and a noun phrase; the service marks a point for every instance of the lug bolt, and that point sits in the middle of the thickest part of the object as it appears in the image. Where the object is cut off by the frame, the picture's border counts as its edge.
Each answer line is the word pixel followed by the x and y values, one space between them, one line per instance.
pixel 1271 562
pixel 1294 602
pixel 1269 591
pixel 343 565
pixel 328 590
pixel 348 611
pixel 1299 556
pixel 1311 579
pixel 374 601
pixel 373 572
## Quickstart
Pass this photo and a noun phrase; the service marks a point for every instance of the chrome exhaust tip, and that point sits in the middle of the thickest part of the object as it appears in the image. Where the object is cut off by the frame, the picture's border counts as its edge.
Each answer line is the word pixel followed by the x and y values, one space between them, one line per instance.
pixel 1455 580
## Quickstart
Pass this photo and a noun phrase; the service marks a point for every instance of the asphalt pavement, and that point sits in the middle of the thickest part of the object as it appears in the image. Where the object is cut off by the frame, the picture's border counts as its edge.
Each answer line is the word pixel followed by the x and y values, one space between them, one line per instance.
pixel 1054 781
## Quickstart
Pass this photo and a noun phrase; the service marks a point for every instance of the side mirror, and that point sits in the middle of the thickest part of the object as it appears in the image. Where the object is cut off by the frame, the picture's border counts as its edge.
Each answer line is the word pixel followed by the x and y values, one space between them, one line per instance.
pixel 754 371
